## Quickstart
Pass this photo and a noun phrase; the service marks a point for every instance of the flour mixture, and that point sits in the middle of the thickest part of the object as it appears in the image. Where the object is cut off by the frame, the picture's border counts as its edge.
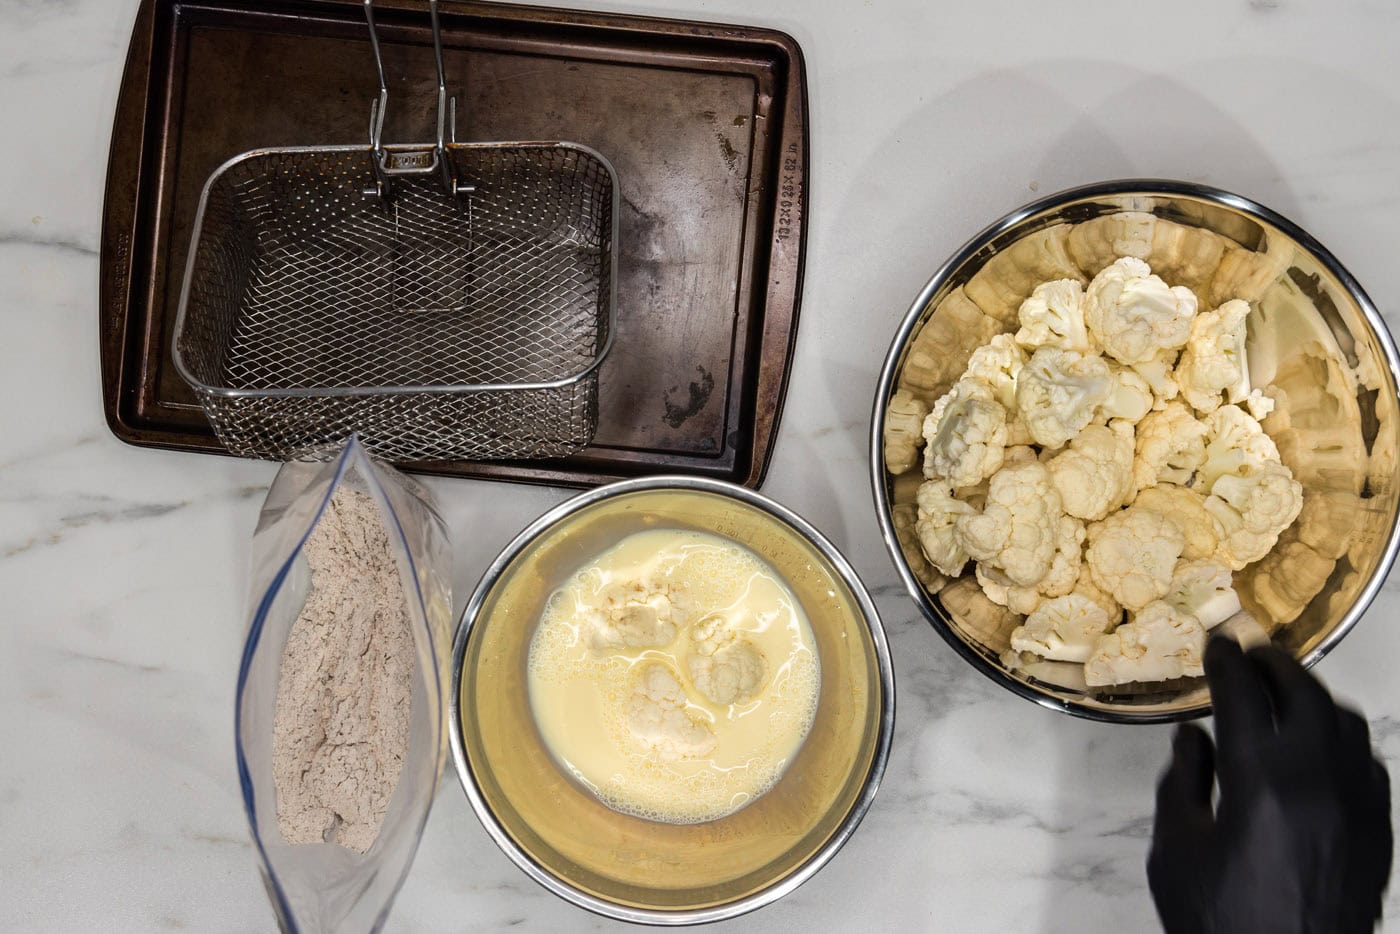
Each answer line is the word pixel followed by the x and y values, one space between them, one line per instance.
pixel 341 724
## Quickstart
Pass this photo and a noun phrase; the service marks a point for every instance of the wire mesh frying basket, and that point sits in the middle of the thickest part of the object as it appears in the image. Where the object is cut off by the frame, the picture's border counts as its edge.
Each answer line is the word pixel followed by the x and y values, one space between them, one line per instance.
pixel 447 302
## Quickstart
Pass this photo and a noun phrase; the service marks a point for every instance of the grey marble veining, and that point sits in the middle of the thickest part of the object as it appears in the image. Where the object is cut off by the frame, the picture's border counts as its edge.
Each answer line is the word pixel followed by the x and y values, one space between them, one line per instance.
pixel 123 570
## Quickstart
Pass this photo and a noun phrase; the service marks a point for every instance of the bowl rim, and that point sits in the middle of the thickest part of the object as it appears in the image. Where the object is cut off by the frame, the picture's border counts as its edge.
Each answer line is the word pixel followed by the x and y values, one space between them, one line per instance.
pixel 1147 187
pixel 601 906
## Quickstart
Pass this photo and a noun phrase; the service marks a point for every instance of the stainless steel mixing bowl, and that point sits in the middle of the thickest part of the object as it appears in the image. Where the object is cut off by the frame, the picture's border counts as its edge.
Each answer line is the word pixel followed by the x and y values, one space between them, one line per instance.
pixel 1314 336
pixel 638 870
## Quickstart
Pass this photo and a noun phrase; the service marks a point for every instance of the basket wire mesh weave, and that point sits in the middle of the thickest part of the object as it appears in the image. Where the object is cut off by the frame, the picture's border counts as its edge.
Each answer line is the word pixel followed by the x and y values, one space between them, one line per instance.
pixel 446 302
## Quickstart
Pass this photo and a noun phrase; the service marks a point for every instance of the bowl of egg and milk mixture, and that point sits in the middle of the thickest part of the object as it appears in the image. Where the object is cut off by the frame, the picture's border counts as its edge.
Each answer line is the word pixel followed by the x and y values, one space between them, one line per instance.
pixel 673 700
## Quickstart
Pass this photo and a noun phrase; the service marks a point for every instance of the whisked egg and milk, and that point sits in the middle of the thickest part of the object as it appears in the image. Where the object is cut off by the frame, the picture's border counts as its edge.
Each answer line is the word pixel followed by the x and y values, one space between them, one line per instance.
pixel 675 676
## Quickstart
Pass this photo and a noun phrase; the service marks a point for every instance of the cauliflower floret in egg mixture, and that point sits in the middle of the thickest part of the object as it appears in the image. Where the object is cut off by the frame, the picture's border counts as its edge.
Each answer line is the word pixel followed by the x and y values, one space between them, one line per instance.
pixel 657 715
pixel 724 667
pixel 1108 456
pixel 635 614
pixel 675 674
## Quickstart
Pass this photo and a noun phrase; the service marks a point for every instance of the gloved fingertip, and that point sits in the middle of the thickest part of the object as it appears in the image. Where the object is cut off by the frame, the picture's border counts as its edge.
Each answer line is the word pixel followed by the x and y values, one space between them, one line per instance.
pixel 1221 649
pixel 1238 696
pixel 1190 778
pixel 1192 745
pixel 1188 733
pixel 1353 733
pixel 1297 694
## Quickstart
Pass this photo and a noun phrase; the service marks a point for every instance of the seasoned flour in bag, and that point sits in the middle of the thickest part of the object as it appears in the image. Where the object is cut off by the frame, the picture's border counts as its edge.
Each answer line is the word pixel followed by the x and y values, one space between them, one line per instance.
pixel 340 729
pixel 340 725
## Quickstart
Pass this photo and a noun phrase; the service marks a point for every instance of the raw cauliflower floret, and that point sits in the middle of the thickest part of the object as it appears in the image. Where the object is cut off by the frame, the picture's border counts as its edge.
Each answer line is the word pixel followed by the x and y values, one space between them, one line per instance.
pixel 1215 360
pixel 1018 529
pixel 1094 475
pixel 1058 581
pixel 1236 445
pixel 1187 509
pixel 633 614
pixel 657 715
pixel 1171 446
pixel 1063 628
pixel 1068 561
pixel 1251 511
pixel 1058 393
pixel 904 425
pixel 1158 645
pixel 1088 589
pixel 1018 454
pixel 724 667
pixel 1003 592
pixel 1053 316
pixel 998 363
pixel 1132 554
pixel 939 512
pixel 1157 373
pixel 1017 434
pixel 1205 590
pixel 1131 399
pixel 1064 573
pixel 966 434
pixel 1260 405
pixel 1134 314
pixel 974 496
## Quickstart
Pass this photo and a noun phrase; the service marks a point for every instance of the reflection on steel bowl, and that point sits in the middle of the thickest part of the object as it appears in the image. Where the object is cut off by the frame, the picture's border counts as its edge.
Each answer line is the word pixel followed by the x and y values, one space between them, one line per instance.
pixel 1314 341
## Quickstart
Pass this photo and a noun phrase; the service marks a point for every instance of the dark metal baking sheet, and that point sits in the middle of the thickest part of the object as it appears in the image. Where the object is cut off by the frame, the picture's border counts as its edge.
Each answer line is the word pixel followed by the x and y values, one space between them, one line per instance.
pixel 705 124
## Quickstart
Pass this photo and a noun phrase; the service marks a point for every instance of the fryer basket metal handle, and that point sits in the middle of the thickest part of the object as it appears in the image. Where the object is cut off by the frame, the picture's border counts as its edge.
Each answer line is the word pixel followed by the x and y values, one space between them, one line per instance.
pixel 389 164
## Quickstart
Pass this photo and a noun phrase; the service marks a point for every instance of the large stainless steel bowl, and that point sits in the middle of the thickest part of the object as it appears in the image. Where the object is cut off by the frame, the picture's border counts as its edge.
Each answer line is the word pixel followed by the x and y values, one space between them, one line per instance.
pixel 1314 336
pixel 638 870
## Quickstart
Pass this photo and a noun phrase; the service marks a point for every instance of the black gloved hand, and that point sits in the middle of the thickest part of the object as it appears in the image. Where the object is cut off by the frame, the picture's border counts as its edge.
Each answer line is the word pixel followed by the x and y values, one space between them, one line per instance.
pixel 1300 840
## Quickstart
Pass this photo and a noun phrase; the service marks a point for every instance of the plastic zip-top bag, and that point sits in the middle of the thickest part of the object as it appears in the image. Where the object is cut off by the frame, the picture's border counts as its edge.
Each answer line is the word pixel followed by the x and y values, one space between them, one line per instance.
pixel 341 736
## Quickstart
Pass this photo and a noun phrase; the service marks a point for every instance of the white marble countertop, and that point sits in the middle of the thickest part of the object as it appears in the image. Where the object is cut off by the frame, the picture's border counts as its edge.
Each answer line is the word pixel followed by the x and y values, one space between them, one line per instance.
pixel 123 570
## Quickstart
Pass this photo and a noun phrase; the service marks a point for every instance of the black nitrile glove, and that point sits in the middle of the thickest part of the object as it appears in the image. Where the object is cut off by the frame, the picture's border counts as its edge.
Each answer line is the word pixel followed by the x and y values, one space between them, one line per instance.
pixel 1299 842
